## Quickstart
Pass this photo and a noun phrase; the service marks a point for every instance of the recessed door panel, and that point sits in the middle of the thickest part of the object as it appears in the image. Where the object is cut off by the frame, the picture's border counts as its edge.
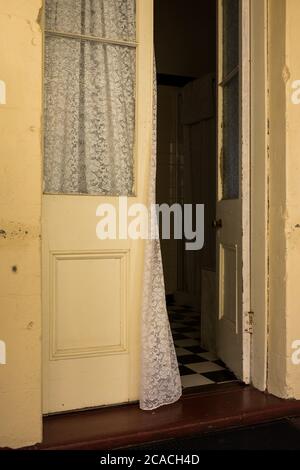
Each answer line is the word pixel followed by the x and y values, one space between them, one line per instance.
pixel 228 284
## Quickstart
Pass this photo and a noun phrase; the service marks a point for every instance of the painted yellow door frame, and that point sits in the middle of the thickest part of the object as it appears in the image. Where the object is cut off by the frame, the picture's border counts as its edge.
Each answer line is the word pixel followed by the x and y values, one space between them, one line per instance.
pixel 259 246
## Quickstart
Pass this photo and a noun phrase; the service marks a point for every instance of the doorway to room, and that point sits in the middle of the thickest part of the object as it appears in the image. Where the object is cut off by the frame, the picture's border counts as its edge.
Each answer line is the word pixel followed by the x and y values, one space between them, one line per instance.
pixel 92 287
pixel 199 161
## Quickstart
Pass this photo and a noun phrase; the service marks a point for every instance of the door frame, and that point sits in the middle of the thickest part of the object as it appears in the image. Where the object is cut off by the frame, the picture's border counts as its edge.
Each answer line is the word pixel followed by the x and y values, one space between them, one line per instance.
pixel 255 172
pixel 259 198
pixel 255 191
pixel 245 86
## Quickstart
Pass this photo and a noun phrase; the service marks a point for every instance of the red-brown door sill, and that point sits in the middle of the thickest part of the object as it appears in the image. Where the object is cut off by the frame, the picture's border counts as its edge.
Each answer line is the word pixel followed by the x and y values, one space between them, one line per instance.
pixel 199 412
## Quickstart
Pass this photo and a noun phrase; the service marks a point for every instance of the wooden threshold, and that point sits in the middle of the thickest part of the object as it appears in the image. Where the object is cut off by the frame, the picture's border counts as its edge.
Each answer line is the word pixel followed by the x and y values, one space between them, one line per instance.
pixel 205 411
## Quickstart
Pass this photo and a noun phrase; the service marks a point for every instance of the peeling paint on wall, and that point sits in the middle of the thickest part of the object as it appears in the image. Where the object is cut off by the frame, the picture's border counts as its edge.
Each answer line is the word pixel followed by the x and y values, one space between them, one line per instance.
pixel 286 74
pixel 18 231
pixel 39 18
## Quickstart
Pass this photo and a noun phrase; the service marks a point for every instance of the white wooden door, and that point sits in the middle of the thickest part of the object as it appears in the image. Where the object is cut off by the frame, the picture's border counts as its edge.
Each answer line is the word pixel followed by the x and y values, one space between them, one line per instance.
pixel 92 288
pixel 232 221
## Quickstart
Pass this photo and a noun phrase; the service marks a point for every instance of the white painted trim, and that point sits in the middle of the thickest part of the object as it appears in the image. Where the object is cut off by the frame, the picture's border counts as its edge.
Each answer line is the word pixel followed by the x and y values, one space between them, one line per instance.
pixel 245 180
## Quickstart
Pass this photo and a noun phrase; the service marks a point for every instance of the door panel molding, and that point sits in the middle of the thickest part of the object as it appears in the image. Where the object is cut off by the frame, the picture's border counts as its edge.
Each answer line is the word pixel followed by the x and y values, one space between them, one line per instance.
pixel 232 316
pixel 58 351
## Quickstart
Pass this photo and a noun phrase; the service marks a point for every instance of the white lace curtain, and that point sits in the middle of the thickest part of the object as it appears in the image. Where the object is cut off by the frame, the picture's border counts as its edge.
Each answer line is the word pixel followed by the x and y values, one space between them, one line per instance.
pixel 160 377
pixel 89 141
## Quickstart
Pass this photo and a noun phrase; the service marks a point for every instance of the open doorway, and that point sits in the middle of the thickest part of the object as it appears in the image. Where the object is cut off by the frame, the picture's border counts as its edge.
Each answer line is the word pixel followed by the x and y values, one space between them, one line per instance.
pixel 91 274
pixel 186 61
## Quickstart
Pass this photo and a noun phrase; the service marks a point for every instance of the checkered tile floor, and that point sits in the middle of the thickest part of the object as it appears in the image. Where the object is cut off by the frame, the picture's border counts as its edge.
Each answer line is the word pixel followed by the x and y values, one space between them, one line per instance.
pixel 197 366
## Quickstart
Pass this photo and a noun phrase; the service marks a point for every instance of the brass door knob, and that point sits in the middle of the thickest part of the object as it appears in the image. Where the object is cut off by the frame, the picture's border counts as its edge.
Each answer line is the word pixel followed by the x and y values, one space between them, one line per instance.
pixel 217 224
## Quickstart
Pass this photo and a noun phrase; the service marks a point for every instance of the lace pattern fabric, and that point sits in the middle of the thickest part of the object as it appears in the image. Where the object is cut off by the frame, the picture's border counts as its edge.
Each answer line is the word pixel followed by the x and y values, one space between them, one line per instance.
pixel 160 377
pixel 89 103
pixel 111 19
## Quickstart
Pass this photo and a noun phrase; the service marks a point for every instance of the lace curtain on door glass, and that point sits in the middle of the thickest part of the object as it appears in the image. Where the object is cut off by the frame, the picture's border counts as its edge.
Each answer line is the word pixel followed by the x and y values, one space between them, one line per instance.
pixel 89 98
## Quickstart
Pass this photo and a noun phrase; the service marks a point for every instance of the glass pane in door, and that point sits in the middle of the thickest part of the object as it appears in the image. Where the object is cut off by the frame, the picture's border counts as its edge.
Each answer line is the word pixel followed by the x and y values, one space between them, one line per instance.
pixel 231 99
pixel 230 157
pixel 89 97
pixel 230 36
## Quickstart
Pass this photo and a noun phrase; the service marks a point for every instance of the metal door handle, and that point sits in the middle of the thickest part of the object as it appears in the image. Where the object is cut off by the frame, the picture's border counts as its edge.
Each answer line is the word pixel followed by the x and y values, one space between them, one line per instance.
pixel 217 224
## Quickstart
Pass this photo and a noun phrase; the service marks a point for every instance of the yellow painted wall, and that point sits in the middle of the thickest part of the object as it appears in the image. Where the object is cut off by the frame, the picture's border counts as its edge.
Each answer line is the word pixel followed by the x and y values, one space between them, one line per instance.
pixel 284 328
pixel 20 211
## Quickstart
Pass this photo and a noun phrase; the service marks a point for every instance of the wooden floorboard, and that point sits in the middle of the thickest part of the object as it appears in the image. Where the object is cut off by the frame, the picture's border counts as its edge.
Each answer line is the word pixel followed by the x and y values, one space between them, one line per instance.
pixel 209 410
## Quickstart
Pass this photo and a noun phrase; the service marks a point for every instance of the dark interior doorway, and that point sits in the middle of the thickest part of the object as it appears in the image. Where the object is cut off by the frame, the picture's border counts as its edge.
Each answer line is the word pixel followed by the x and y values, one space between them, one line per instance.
pixel 186 58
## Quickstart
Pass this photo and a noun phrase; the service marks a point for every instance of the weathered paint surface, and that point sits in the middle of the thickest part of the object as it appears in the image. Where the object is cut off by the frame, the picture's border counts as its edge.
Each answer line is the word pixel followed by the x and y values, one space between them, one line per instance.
pixel 293 197
pixel 277 200
pixel 20 209
pixel 284 328
pixel 259 194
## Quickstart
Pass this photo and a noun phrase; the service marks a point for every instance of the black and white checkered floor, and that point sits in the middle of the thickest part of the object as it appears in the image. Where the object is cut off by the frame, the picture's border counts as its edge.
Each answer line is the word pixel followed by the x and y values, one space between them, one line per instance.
pixel 197 366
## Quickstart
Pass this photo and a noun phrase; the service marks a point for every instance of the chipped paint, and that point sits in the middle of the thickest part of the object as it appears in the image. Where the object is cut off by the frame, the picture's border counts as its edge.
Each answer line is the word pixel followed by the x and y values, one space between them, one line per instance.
pixel 286 74
pixel 18 231
pixel 39 18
